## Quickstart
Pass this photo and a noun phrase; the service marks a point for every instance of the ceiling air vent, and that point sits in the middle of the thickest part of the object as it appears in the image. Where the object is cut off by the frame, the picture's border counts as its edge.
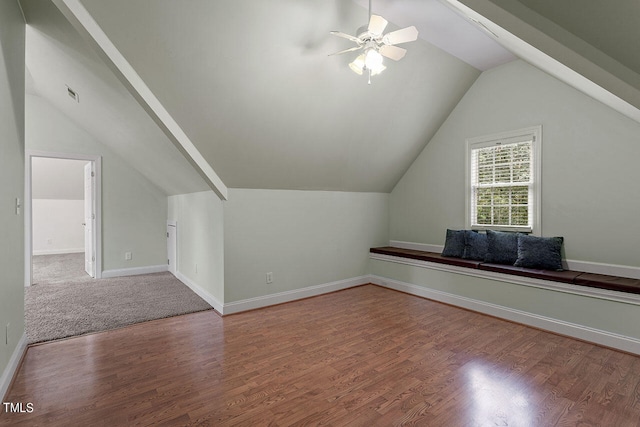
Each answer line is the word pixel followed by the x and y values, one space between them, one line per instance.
pixel 73 94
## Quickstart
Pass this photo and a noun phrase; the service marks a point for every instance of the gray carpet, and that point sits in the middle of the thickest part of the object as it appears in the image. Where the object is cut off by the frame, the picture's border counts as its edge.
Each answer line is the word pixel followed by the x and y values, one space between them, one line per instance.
pixel 68 304
pixel 63 268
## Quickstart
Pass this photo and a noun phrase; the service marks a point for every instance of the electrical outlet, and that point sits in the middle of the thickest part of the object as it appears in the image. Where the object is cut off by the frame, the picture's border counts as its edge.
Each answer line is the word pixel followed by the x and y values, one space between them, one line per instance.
pixel 49 241
pixel 269 277
pixel 127 256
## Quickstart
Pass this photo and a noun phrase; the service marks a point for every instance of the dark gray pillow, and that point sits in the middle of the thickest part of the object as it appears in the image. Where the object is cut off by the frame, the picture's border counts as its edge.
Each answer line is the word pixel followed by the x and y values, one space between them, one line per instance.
pixel 454 244
pixel 539 252
pixel 475 245
pixel 502 247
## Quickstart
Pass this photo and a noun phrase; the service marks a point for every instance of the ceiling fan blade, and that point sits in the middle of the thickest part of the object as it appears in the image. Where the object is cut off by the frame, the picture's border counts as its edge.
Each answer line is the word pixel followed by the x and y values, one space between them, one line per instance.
pixel 348 50
pixel 404 35
pixel 393 52
pixel 346 36
pixel 377 24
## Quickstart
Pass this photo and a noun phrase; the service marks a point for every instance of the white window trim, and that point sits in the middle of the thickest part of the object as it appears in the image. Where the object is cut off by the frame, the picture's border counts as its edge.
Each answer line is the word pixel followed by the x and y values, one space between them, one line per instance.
pixel 536 133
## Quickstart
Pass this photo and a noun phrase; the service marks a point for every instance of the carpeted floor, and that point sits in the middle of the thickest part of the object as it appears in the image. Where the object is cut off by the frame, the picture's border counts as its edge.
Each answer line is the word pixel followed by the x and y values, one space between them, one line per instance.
pixel 70 304
pixel 63 268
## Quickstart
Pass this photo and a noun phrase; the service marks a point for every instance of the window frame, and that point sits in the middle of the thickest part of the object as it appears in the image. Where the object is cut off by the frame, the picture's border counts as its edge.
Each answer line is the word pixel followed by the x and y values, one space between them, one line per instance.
pixel 533 133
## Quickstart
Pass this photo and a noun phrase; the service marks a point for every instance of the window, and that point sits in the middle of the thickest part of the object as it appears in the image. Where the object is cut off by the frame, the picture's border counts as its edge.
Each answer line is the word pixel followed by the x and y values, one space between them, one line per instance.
pixel 503 183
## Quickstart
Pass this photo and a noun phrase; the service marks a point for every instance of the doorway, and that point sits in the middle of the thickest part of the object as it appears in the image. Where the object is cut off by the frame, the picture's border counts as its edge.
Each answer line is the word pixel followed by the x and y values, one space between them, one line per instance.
pixel 62 215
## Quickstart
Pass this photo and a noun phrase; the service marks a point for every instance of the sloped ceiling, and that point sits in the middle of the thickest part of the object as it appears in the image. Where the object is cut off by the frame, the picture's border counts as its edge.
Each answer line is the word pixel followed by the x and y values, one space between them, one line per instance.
pixel 607 26
pixel 442 26
pixel 56 58
pixel 594 40
pixel 61 179
pixel 252 86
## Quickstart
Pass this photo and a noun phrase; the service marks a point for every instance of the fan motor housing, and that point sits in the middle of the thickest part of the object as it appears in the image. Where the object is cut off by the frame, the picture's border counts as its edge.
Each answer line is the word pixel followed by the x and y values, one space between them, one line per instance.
pixel 363 32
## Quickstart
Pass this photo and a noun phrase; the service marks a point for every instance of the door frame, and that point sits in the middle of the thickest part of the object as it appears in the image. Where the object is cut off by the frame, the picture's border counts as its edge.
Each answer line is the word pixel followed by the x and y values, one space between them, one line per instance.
pixel 173 268
pixel 28 217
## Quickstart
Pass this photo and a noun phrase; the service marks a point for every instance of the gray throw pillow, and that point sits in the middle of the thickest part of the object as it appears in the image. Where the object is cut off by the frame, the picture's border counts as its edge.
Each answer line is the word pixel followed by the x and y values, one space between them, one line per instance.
pixel 454 244
pixel 475 246
pixel 539 252
pixel 502 247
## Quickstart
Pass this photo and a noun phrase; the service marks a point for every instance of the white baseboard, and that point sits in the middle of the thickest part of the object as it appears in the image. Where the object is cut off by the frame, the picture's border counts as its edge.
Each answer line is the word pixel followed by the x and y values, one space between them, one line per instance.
pixel 134 271
pixel 58 251
pixel 597 336
pixel 210 299
pixel 296 294
pixel 12 366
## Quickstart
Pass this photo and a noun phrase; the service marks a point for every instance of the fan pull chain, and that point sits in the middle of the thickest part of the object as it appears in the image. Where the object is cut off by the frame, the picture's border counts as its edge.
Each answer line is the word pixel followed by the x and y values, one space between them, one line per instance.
pixel 369 69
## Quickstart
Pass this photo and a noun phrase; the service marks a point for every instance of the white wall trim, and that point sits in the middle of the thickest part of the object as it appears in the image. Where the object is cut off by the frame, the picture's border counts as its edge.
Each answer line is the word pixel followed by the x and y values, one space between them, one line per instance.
pixel 210 299
pixel 59 251
pixel 585 333
pixel 569 264
pixel 296 294
pixel 606 294
pixel 173 268
pixel 12 366
pixel 133 271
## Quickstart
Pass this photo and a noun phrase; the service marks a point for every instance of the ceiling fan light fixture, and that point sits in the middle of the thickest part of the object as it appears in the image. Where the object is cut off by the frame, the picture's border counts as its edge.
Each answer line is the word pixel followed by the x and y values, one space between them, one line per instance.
pixel 369 61
pixel 357 66
pixel 376 45
pixel 377 70
pixel 372 59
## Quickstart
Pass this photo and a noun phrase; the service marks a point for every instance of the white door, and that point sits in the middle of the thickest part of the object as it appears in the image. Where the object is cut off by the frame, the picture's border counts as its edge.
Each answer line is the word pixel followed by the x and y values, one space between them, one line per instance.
pixel 89 220
pixel 172 248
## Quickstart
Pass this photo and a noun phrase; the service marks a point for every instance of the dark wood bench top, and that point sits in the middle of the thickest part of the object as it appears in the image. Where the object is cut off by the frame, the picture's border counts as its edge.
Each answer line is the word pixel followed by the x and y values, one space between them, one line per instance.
pixel 614 283
pixel 565 276
pixel 425 256
pixel 601 281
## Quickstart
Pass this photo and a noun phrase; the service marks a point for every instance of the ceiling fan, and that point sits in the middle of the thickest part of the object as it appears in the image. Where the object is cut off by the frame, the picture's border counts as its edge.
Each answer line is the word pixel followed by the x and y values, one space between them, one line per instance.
pixel 375 44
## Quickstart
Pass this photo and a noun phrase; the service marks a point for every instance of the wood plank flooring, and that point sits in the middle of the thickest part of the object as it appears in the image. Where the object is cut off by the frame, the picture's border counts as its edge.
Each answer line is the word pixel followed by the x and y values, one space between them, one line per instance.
pixel 365 356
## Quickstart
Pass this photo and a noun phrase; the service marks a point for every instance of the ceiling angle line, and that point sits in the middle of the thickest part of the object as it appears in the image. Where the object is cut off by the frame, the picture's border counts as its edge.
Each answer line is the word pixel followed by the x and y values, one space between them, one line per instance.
pixel 89 29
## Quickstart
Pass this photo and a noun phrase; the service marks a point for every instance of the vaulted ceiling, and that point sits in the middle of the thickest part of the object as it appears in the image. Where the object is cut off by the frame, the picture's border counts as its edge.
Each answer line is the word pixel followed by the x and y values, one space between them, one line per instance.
pixel 611 27
pixel 253 88
pixel 589 45
pixel 56 57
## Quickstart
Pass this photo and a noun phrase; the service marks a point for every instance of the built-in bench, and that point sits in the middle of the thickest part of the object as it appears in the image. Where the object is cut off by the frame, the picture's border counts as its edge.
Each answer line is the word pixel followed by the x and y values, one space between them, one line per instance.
pixel 601 281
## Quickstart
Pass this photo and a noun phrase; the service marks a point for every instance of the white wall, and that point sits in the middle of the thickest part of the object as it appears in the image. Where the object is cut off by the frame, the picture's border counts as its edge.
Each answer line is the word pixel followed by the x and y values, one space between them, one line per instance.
pixel 57 226
pixel 200 240
pixel 134 210
pixel 12 88
pixel 589 196
pixel 305 238
pixel 57 178
pixel 57 191
pixel 589 166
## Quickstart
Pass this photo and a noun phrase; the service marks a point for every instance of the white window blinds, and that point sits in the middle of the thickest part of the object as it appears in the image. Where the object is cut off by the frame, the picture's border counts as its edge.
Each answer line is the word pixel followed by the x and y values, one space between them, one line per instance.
pixel 503 183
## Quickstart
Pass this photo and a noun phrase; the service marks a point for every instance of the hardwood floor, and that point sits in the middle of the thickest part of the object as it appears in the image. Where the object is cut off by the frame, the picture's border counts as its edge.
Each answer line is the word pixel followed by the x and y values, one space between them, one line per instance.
pixel 365 356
